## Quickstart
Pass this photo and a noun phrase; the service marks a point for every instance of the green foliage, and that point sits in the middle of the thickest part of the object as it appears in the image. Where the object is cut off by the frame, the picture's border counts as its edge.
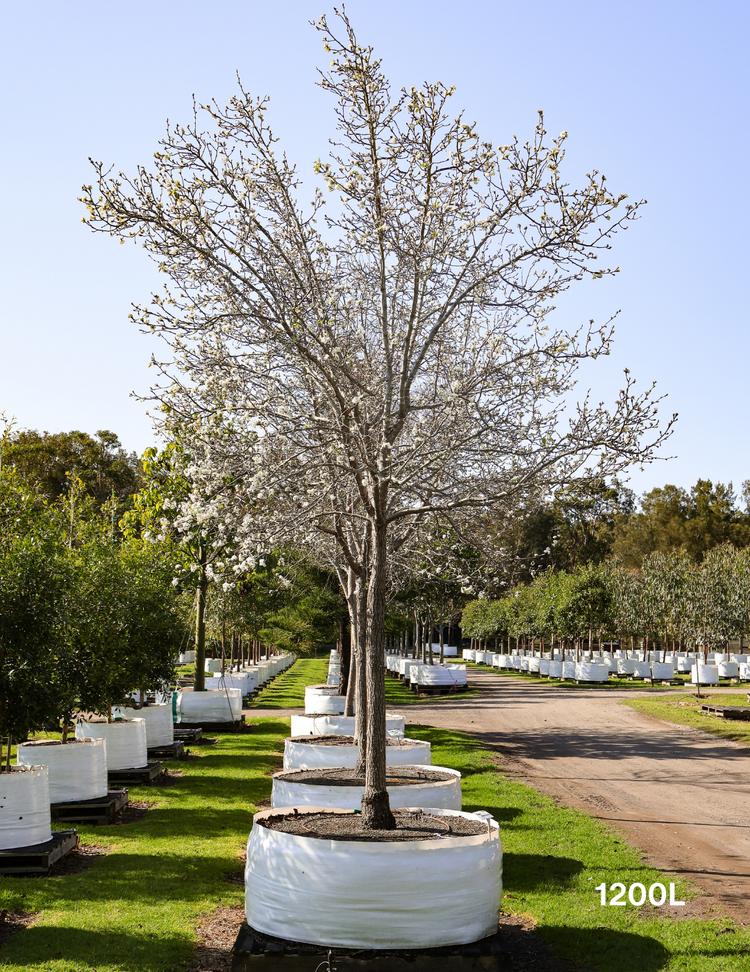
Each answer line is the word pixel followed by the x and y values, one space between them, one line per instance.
pixel 47 461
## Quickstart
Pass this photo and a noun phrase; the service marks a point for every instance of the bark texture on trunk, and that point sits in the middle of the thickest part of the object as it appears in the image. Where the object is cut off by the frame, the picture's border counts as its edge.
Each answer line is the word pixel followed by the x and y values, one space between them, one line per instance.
pixel 361 691
pixel 376 808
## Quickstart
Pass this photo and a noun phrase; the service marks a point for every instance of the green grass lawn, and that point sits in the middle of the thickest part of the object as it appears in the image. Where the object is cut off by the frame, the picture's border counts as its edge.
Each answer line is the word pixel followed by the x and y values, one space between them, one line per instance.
pixel 686 711
pixel 287 691
pixel 137 906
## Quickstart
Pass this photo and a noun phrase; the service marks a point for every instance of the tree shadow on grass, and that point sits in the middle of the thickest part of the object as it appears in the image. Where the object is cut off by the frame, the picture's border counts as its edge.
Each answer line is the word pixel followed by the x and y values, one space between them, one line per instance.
pixel 605 949
pixel 524 873
pixel 79 948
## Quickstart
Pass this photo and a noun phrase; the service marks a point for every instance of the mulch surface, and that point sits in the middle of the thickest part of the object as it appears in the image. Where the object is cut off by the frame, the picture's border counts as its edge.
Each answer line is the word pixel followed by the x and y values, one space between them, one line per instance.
pixel 410 825
pixel 12 922
pixel 79 860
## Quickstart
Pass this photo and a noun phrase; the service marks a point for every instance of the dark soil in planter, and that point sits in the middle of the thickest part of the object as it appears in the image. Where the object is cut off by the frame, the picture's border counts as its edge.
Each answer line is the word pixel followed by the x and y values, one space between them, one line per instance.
pixel 55 742
pixel 395 776
pixel 410 825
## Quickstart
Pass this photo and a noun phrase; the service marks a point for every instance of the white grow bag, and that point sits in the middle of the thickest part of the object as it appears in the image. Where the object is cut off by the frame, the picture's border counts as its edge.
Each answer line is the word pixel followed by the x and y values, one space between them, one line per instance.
pixel 126 742
pixel 75 771
pixel 534 665
pixel 451 675
pixel 685 665
pixel 213 664
pixel 25 817
pixel 158 719
pixel 569 669
pixel 745 672
pixel 708 674
pixel 418 894
pixel 246 682
pixel 213 705
pixel 319 703
pixel 591 672
pixel 555 668
pixel 729 669
pixel 305 725
pixel 445 794
pixel 642 669
pixel 544 664
pixel 468 654
pixel 304 755
pixel 483 657
pixel 664 671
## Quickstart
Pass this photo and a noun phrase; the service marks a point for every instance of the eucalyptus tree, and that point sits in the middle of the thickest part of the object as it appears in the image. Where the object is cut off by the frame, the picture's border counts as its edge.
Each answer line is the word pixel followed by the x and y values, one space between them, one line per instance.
pixel 404 350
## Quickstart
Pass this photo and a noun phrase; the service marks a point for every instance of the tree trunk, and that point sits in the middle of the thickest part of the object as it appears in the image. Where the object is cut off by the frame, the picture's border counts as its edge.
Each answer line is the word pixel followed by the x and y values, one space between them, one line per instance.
pixel 362 691
pixel 345 657
pixel 200 624
pixel 376 808
pixel 442 637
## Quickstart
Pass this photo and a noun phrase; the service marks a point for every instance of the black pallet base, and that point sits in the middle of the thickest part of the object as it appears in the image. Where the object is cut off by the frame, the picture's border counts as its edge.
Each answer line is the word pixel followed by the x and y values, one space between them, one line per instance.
pixel 38 858
pixel 739 713
pixel 255 951
pixel 102 810
pixel 222 726
pixel 438 689
pixel 173 750
pixel 188 735
pixel 140 774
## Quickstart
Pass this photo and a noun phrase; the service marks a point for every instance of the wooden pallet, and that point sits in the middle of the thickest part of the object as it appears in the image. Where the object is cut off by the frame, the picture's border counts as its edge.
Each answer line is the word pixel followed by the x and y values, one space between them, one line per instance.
pixel 736 712
pixel 139 774
pixel 102 810
pixel 173 750
pixel 222 726
pixel 38 858
pixel 438 689
pixel 255 951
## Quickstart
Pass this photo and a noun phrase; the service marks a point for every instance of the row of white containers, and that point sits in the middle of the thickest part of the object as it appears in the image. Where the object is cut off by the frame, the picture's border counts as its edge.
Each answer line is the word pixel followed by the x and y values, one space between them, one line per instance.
pixel 49 772
pixel 598 669
pixel 421 673
pixel 714 657
pixel 378 898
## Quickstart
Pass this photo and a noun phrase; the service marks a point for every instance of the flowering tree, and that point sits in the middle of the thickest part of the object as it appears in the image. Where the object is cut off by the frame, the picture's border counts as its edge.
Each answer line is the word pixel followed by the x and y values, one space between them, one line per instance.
pixel 397 363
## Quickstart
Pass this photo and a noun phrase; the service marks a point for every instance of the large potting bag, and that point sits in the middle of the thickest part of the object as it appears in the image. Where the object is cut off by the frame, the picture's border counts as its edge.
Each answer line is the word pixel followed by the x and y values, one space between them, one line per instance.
pixel 214 705
pixel 379 895
pixel 25 817
pixel 332 725
pixel 158 719
pixel 308 755
pixel 76 770
pixel 126 742
pixel 445 794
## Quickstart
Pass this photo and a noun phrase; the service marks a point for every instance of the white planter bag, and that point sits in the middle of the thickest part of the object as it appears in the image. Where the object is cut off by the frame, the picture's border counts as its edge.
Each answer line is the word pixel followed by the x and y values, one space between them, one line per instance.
pixel 126 742
pixel 325 704
pixel 591 672
pixel 244 681
pixel 215 705
pixel 664 671
pixel 469 654
pixel 76 771
pixel 642 670
pixel 158 719
pixel 534 666
pixel 708 674
pixel 25 817
pixel 305 725
pixel 445 794
pixel 213 664
pixel 625 666
pixel 685 665
pixel 440 675
pixel 555 668
pixel 569 669
pixel 385 895
pixel 303 755
pixel 544 664
pixel 729 669
pixel 525 663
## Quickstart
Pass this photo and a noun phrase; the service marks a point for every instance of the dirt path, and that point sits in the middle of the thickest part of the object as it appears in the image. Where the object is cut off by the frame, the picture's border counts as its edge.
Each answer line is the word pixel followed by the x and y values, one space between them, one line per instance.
pixel 681 796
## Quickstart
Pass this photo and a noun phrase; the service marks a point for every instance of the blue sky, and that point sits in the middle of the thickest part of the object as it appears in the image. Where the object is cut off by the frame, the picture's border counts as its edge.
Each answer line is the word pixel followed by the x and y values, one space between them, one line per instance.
pixel 652 94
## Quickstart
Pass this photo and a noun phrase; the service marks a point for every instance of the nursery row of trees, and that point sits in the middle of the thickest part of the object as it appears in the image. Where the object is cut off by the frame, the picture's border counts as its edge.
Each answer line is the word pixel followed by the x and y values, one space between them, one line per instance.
pixel 670 602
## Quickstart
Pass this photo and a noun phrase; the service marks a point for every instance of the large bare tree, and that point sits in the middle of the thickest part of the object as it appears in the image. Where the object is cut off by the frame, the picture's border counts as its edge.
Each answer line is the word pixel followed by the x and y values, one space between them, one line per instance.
pixel 387 362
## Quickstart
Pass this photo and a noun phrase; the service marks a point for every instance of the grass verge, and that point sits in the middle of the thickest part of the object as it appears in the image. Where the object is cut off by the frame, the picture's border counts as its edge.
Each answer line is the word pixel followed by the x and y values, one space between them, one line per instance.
pixel 287 691
pixel 686 711
pixel 137 907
